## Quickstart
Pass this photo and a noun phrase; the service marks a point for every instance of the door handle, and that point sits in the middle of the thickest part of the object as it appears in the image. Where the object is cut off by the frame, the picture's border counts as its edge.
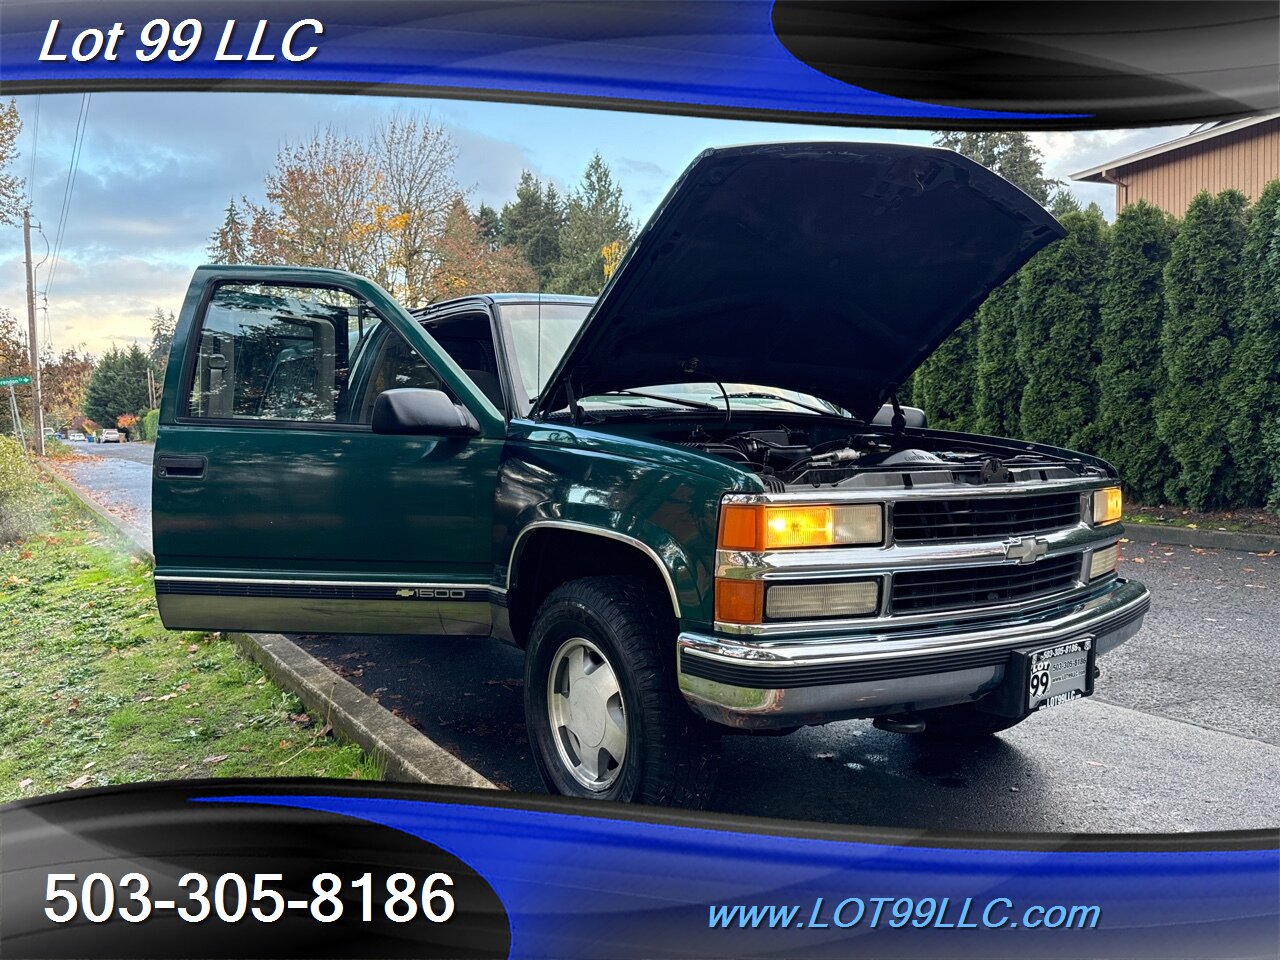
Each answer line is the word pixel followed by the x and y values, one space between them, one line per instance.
pixel 183 468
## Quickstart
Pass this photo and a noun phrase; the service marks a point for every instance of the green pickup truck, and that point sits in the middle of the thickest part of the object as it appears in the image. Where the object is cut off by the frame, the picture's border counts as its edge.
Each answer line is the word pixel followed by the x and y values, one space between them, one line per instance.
pixel 695 502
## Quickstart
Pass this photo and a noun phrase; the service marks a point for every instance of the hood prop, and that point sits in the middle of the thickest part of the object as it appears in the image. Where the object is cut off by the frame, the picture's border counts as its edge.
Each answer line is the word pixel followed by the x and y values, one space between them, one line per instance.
pixel 899 421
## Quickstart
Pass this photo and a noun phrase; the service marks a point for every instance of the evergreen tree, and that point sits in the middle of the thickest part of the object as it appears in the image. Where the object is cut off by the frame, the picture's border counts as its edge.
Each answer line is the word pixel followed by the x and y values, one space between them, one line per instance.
pixel 1253 381
pixel 118 386
pixel 596 218
pixel 1000 380
pixel 532 224
pixel 945 384
pixel 488 226
pixel 162 329
pixel 1057 333
pixel 1130 373
pixel 1064 202
pixel 1202 288
pixel 1009 153
pixel 950 382
pixel 230 242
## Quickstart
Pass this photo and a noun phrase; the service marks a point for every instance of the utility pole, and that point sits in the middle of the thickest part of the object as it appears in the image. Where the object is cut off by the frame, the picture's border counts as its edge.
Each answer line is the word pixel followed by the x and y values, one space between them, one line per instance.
pixel 32 344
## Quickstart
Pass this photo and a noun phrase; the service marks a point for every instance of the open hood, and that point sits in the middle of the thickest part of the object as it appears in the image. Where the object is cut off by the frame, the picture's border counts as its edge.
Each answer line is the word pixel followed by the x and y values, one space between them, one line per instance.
pixel 828 268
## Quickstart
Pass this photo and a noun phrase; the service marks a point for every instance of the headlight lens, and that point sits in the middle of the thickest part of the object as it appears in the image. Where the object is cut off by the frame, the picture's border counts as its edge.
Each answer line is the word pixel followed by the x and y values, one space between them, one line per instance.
pixel 1108 506
pixel 858 598
pixel 1104 561
pixel 783 527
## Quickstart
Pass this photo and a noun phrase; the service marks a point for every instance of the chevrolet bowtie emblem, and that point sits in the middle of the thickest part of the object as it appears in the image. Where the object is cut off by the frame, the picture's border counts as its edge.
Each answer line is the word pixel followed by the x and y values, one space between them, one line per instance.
pixel 406 593
pixel 1025 549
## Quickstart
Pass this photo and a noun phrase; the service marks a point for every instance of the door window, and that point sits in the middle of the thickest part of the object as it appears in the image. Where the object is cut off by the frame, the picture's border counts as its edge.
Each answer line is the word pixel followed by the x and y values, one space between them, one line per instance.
pixel 278 353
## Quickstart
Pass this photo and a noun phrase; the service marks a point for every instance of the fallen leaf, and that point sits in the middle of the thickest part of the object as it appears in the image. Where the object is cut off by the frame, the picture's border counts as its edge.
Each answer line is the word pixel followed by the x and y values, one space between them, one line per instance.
pixel 325 730
pixel 167 696
pixel 260 681
pixel 79 782
pixel 301 719
pixel 73 706
pixel 824 756
pixel 193 648
pixel 23 784
pixel 218 758
pixel 244 748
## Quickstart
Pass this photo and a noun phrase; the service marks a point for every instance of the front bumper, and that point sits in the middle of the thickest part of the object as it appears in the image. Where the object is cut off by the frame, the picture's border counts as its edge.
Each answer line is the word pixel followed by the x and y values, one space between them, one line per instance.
pixel 761 684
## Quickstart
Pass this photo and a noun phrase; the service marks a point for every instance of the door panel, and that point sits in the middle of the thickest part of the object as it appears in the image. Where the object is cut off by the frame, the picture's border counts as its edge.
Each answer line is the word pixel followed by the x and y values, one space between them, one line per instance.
pixel 303 518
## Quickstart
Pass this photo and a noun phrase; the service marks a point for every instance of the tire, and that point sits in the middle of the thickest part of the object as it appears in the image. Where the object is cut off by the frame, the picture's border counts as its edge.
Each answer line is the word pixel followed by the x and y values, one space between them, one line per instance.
pixel 964 721
pixel 618 623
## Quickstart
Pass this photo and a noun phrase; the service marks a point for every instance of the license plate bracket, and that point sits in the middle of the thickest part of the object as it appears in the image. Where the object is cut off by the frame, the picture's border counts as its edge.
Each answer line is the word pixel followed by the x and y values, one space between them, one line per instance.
pixel 1044 676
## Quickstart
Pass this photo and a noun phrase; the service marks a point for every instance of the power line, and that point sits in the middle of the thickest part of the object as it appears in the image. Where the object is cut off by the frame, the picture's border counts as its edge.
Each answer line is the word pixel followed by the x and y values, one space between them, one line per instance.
pixel 82 124
pixel 35 146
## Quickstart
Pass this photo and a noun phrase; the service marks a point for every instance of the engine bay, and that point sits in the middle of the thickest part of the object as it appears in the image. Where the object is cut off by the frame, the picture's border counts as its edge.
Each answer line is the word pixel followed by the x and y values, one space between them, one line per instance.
pixel 787 458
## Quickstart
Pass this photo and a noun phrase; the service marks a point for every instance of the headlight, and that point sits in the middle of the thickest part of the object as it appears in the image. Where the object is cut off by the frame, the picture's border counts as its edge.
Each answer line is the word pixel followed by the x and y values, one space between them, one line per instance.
pixel 1108 506
pixel 858 598
pixel 781 527
pixel 1104 561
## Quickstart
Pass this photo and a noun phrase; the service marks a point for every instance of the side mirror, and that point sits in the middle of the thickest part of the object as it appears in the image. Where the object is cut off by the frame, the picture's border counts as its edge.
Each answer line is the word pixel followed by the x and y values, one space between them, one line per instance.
pixel 418 412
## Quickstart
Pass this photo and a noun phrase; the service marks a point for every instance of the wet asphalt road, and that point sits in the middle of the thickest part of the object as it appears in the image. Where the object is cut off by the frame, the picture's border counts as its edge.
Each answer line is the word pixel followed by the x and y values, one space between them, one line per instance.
pixel 120 473
pixel 1183 734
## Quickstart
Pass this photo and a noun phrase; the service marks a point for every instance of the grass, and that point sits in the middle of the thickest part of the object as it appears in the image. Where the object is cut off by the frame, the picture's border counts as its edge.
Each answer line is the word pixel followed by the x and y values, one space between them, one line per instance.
pixel 94 690
pixel 1243 520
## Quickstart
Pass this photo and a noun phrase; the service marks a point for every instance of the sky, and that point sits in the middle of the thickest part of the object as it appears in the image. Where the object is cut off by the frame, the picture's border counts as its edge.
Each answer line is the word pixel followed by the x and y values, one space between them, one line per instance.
pixel 157 169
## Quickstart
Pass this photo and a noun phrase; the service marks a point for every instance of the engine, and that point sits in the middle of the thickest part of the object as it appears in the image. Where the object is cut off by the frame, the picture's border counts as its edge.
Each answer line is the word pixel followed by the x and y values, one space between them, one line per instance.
pixel 785 458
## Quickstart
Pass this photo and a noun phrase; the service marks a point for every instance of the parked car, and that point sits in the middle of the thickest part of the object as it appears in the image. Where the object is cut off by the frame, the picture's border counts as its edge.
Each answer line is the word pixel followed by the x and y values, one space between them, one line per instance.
pixel 75 436
pixel 695 503
pixel 110 435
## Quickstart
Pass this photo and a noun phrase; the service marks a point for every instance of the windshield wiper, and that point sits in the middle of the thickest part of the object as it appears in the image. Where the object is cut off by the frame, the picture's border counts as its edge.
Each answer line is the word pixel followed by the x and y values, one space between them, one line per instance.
pixel 770 396
pixel 679 401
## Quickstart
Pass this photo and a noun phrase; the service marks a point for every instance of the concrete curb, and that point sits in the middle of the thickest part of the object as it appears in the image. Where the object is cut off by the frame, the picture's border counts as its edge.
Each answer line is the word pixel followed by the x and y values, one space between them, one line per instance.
pixel 1213 539
pixel 408 755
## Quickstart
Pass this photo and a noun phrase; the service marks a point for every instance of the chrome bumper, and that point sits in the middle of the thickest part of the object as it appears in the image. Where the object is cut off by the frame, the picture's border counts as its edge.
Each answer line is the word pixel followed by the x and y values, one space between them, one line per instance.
pixel 758 684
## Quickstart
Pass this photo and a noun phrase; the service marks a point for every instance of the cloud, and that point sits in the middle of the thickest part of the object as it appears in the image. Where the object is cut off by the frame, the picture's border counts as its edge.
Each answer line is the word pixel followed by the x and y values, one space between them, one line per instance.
pixel 157 170
pixel 1066 153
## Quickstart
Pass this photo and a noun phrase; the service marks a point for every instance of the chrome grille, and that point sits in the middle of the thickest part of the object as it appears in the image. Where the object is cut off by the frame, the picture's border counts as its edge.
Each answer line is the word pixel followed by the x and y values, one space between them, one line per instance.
pixel 979 518
pixel 965 588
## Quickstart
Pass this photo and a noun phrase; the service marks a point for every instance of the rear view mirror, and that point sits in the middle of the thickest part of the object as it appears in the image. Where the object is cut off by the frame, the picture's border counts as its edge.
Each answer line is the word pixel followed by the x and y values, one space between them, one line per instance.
pixel 913 416
pixel 415 411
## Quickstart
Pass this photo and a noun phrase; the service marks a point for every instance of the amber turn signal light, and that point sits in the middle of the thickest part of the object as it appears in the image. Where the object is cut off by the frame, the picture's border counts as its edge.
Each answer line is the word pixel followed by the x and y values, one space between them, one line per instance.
pixel 739 601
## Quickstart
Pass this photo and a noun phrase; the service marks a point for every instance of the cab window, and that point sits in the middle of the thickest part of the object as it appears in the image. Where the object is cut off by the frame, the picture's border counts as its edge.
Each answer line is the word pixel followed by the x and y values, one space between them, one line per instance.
pixel 278 352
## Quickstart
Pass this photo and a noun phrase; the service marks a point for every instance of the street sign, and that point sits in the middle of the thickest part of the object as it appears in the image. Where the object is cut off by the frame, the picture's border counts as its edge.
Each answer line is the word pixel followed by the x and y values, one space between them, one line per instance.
pixel 14 381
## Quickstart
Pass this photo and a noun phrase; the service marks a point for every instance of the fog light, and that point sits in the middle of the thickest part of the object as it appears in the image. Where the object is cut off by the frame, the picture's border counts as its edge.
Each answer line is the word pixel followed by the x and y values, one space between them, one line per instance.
pixel 1108 505
pixel 1104 561
pixel 858 598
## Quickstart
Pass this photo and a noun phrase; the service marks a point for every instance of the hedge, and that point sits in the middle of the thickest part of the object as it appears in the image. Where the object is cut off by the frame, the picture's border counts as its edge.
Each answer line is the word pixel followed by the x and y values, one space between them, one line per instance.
pixel 1154 343
pixel 1131 370
pixel 20 499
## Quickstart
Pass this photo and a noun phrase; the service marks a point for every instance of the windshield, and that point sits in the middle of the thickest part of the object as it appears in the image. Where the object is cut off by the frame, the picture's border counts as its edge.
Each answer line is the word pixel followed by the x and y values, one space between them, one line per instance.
pixel 540 333
pixel 741 396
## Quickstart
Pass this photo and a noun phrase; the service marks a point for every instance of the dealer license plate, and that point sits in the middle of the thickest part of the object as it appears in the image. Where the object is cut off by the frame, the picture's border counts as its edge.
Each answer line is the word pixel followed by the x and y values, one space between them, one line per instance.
pixel 1059 674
